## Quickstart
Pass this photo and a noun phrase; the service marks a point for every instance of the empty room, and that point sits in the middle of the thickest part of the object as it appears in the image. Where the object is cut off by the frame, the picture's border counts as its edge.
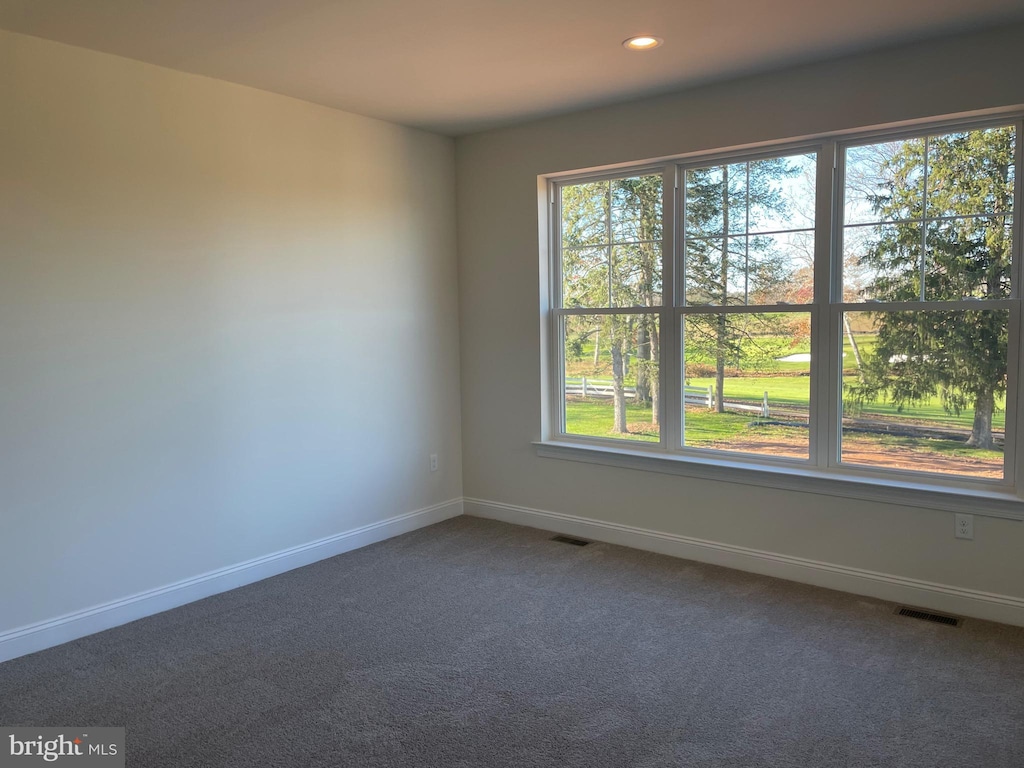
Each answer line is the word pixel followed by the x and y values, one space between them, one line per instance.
pixel 565 384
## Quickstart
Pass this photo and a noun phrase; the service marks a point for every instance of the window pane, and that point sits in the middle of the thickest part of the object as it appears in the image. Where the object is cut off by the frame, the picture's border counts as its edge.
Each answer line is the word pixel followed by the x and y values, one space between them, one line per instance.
pixel 751 269
pixel 884 182
pixel 716 200
pixel 714 271
pixel 637 279
pixel 968 258
pixel 585 277
pixel 925 391
pixel 882 262
pixel 585 214
pixel 611 376
pixel 612 242
pixel 781 268
pixel 747 382
pixel 783 193
pixel 971 172
pixel 636 209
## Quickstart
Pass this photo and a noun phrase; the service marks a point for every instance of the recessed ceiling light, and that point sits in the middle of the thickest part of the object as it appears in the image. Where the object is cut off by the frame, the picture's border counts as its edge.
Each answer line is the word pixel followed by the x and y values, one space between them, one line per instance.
pixel 642 43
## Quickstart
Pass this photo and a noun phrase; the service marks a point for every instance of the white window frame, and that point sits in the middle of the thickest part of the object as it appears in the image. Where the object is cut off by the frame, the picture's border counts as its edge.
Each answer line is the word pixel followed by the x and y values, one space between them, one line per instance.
pixel 822 472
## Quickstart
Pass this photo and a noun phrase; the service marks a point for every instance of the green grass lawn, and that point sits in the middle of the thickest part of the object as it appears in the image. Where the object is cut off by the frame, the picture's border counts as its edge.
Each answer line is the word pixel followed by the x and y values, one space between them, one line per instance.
pixel 782 390
pixel 594 418
pixel 785 387
pixel 930 411
pixel 795 391
pixel 743 433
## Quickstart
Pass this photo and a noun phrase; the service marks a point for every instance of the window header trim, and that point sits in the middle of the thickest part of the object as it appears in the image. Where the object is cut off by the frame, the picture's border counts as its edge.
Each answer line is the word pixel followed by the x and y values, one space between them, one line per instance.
pixel 772 147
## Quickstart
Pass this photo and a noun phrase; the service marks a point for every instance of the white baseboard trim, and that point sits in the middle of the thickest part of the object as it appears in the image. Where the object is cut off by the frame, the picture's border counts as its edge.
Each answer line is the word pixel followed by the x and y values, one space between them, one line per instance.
pixel 45 634
pixel 1006 609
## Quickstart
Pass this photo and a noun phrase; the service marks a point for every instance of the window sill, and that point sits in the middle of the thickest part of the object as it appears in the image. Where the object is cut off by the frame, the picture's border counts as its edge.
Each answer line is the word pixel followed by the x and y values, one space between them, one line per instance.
pixel 929 496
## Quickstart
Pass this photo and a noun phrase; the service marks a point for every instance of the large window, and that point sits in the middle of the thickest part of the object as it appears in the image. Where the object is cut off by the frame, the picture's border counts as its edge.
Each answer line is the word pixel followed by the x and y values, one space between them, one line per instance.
pixel 849 306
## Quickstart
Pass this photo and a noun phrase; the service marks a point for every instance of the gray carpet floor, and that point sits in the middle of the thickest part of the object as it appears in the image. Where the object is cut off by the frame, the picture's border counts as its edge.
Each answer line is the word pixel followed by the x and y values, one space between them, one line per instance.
pixel 475 643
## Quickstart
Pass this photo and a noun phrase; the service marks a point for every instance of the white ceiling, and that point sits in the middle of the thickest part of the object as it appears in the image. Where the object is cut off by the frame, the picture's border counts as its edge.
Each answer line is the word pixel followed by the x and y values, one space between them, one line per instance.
pixel 457 66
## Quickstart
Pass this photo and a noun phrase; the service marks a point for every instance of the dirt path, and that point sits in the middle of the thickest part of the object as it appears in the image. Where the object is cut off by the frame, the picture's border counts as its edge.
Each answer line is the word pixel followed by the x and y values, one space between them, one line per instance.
pixel 873 454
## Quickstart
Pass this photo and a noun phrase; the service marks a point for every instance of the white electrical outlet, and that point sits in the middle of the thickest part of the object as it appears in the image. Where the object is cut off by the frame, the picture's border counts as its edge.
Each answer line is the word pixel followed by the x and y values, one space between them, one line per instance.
pixel 964 526
pixel 433 462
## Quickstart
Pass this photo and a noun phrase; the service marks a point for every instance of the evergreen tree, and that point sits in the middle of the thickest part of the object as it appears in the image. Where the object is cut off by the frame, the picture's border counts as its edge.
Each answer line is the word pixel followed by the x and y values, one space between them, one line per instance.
pixel 959 356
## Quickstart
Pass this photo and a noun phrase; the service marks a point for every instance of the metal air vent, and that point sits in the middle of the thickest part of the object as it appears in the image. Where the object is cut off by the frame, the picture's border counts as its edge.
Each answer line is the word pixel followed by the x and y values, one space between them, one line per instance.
pixel 570 540
pixel 923 615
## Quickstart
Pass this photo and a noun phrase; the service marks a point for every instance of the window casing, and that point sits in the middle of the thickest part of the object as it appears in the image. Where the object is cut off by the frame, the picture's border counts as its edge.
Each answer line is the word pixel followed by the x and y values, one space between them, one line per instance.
pixel 791 284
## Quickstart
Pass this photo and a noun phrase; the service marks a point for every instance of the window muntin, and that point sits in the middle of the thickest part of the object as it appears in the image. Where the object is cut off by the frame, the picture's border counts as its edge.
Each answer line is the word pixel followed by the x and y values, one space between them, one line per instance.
pixel 747 270
pixel 943 241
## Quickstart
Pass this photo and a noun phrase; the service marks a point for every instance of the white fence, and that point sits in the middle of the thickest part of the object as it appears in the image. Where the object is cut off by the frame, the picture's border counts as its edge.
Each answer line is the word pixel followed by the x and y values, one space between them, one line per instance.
pixel 705 396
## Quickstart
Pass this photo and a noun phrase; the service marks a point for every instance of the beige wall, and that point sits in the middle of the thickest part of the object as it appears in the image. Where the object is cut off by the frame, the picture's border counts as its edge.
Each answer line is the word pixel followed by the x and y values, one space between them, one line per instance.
pixel 228 325
pixel 498 273
pixel 229 321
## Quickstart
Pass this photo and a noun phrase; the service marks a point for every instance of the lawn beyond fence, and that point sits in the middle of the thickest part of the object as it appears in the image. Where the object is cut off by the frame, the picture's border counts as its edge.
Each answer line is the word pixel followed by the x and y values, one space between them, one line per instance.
pixel 586 388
